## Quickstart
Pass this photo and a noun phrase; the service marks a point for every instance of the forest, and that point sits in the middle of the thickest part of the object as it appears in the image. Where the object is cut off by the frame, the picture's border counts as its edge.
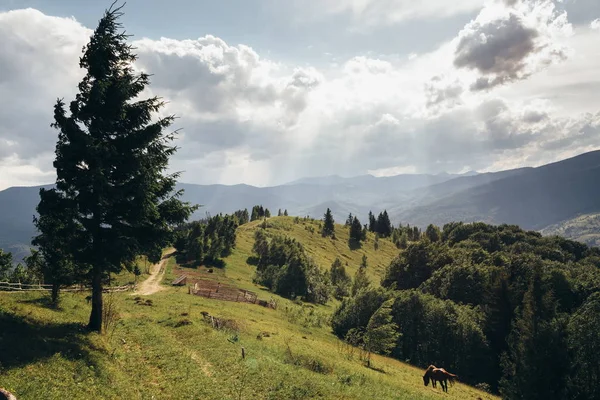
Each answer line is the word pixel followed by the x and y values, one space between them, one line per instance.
pixel 509 310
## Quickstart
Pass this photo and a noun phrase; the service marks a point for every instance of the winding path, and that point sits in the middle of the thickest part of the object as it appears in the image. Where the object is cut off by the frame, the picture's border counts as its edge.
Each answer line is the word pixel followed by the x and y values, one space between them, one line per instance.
pixel 152 284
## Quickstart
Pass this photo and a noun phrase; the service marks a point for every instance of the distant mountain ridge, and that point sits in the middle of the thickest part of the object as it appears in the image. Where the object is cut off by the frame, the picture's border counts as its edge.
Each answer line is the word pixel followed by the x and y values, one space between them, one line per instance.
pixel 533 198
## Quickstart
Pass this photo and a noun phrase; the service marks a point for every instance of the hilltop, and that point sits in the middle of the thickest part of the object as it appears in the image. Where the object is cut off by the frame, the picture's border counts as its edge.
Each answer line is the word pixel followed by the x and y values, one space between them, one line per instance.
pixel 168 350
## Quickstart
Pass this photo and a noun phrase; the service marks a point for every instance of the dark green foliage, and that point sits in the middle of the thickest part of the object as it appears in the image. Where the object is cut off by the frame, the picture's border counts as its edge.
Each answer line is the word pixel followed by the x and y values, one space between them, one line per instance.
pixel 381 334
pixel 58 227
pixel 285 213
pixel 415 265
pixel 494 301
pixel 372 222
pixel 328 224
pixel 285 268
pixel 207 241
pixel 433 233
pixel 584 347
pixel 360 278
pixel 259 212
pixel 535 364
pixel 440 332
pixel 340 280
pixel 356 232
pixel 5 265
pixel 111 156
pixel 349 220
pixel 383 226
pixel 242 216
pixel 279 213
pixel 356 311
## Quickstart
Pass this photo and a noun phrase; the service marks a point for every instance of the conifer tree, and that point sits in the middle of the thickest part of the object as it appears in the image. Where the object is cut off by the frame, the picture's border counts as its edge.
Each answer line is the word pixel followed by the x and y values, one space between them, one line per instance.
pixel 58 228
pixel 534 344
pixel 279 214
pixel 111 158
pixel 372 222
pixel 356 231
pixel 285 213
pixel 433 233
pixel 384 226
pixel 328 224
pixel 349 220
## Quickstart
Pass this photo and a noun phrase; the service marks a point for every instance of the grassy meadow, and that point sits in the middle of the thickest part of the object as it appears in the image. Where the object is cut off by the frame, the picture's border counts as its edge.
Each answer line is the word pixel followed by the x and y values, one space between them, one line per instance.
pixel 160 346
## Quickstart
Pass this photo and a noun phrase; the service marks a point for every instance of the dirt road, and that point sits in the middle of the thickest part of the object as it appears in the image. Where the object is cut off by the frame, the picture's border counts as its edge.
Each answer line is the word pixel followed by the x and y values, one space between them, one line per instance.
pixel 157 272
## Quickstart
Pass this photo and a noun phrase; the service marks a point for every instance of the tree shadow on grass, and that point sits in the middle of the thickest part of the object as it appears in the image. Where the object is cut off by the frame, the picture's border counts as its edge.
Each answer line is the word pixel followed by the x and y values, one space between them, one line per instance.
pixel 354 244
pixel 24 341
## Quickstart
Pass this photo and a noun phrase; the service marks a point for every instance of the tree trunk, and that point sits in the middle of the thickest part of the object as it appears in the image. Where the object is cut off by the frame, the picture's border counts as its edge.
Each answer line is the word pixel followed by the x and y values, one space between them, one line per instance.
pixel 95 323
pixel 54 295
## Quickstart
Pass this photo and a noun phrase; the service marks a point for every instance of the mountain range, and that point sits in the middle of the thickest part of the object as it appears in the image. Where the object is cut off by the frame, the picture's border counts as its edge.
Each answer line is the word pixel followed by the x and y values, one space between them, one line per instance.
pixel 534 198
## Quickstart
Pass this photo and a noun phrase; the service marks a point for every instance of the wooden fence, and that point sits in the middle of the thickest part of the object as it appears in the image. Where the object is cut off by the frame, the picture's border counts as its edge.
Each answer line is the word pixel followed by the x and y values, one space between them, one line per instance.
pixel 22 287
pixel 230 294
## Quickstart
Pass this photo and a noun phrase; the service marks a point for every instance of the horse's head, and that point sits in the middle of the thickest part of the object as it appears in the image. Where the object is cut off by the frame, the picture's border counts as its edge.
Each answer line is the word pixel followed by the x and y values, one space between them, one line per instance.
pixel 426 379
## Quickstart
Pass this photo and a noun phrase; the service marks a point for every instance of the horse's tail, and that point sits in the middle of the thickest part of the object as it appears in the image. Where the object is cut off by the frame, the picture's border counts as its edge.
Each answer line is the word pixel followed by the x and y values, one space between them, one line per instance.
pixel 452 378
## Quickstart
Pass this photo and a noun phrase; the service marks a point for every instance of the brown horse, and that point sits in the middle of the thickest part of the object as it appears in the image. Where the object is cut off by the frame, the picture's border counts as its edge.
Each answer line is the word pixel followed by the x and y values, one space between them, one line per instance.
pixel 438 374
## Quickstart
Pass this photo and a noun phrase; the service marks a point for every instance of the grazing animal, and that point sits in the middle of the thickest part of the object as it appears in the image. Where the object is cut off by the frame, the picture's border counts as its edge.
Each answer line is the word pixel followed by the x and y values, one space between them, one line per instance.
pixel 438 374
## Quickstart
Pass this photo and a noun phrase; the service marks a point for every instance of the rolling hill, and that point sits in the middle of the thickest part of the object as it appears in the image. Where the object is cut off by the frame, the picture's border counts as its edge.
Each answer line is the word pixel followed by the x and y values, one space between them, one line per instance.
pixel 166 349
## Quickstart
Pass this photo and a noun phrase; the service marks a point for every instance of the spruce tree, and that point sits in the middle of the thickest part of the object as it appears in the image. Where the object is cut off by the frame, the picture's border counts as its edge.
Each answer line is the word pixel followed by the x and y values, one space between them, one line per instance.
pixel 58 228
pixel 285 213
pixel 534 365
pixel 328 224
pixel 433 233
pixel 356 231
pixel 111 158
pixel 349 220
pixel 279 213
pixel 372 222
pixel 384 226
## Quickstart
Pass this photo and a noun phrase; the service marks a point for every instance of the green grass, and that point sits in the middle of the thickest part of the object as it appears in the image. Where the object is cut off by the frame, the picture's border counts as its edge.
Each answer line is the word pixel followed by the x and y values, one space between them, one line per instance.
pixel 167 350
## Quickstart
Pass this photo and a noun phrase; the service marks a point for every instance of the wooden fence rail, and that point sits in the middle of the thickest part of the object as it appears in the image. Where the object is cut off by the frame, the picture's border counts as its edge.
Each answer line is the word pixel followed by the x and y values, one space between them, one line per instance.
pixel 22 287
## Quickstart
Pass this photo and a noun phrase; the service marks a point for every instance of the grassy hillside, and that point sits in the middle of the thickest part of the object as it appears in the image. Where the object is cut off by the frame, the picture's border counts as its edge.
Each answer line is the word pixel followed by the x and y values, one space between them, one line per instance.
pixel 583 228
pixel 167 350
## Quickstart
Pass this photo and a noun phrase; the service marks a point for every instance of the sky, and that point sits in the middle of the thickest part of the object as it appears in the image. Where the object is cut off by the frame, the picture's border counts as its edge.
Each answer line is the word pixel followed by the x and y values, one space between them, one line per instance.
pixel 269 91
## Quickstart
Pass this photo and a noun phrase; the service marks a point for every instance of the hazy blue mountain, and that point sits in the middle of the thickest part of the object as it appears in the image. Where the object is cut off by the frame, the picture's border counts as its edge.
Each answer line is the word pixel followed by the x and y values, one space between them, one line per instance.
pixel 531 197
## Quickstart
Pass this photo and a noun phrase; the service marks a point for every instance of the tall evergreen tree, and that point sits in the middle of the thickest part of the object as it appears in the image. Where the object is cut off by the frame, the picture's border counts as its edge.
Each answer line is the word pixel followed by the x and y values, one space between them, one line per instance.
pixel 372 222
pixel 110 163
pixel 255 214
pixel 349 220
pixel 328 224
pixel 267 213
pixel 384 225
pixel 356 232
pixel 279 213
pixel 285 213
pixel 534 366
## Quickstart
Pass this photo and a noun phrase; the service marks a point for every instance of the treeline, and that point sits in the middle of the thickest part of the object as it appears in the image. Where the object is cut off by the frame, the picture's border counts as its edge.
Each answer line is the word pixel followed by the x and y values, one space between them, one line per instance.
pixel 510 310
pixel 208 240
pixel 283 266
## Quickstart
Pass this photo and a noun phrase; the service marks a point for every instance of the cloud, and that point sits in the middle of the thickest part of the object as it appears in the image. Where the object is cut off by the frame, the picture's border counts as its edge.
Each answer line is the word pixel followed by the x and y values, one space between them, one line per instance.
pixel 253 119
pixel 505 44
pixel 371 13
